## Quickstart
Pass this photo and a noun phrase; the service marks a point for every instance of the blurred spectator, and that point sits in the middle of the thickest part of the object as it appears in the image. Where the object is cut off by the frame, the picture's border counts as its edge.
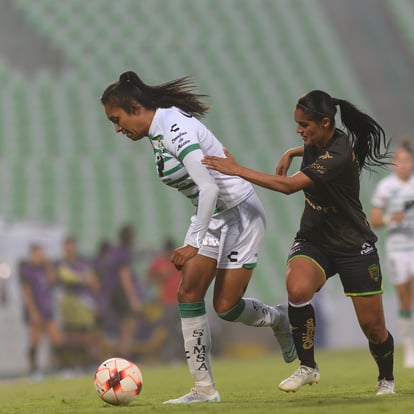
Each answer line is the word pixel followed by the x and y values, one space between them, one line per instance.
pixel 120 291
pixel 166 277
pixel 78 307
pixel 37 278
pixel 101 264
pixel 393 208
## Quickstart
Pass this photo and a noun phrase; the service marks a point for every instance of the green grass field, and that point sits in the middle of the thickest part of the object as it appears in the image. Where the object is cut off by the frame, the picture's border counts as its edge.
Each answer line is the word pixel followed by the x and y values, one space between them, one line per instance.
pixel 247 385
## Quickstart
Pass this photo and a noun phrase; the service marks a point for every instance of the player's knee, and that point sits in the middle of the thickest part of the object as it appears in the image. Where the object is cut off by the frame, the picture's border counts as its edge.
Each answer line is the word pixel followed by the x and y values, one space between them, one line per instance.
pixel 228 311
pixel 297 294
pixel 375 333
pixel 188 295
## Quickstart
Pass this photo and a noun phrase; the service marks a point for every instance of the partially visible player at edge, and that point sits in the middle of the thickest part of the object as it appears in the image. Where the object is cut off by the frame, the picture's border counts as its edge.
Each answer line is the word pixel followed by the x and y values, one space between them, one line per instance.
pixel 226 229
pixel 334 234
pixel 393 207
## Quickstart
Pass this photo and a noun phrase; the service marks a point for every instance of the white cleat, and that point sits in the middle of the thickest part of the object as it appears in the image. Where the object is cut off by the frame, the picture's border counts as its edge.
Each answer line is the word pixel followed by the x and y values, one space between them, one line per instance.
pixel 283 334
pixel 193 397
pixel 302 376
pixel 385 387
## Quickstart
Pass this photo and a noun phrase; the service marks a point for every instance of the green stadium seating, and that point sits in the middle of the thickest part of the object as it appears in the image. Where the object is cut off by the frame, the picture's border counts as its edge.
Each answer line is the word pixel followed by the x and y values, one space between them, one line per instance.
pixel 255 58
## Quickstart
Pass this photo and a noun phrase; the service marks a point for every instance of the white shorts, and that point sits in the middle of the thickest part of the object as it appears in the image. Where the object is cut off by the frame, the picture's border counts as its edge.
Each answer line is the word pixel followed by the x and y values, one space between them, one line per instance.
pixel 400 266
pixel 234 237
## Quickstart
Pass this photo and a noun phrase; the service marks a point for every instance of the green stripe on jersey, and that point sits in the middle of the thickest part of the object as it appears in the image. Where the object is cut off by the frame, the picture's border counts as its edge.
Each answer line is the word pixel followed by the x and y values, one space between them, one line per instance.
pixel 173 170
pixel 186 187
pixel 193 195
pixel 187 150
pixel 178 180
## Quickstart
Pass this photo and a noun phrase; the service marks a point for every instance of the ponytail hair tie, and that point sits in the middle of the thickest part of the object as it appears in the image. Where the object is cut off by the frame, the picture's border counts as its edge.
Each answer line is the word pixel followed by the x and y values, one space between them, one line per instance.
pixel 127 77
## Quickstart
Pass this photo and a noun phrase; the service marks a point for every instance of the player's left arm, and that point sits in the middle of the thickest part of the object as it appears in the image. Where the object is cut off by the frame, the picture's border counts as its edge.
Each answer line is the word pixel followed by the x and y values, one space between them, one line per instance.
pixel 207 198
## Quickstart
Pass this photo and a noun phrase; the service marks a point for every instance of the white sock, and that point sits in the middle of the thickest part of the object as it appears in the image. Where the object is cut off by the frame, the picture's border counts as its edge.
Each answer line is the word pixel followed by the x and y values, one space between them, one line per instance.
pixel 256 313
pixel 404 325
pixel 197 345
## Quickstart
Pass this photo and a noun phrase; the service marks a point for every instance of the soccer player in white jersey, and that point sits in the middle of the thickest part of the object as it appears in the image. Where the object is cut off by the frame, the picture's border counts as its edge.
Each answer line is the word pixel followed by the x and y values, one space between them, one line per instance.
pixel 393 207
pixel 226 229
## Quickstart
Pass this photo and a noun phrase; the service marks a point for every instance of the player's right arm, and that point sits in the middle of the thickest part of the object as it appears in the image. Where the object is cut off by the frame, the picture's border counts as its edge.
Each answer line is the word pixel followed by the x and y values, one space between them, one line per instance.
pixel 281 184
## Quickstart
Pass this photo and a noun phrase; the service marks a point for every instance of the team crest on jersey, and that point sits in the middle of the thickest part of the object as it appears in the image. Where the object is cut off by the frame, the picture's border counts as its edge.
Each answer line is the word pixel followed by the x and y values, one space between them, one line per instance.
pixel 160 153
pixel 374 272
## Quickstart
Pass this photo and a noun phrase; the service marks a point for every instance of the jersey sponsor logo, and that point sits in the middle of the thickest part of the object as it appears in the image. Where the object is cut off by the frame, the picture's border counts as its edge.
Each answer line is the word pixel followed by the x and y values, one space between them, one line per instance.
pixel 180 135
pixel 263 310
pixel 174 128
pixel 307 337
pixel 182 144
pixel 318 168
pixel 199 350
pixel 322 209
pixel 210 241
pixel 231 256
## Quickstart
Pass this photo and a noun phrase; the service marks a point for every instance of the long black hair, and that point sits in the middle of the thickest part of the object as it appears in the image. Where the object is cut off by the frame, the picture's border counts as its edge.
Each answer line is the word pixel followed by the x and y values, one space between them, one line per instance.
pixel 179 93
pixel 365 134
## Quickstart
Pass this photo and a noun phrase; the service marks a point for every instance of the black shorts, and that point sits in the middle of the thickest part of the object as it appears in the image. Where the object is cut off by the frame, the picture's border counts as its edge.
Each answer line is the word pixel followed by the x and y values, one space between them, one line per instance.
pixel 359 270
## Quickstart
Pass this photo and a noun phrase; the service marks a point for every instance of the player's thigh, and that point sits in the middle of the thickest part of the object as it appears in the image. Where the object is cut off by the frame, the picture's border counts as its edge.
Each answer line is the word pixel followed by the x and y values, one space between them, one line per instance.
pixel 304 277
pixel 400 266
pixel 242 235
pixel 229 287
pixel 306 270
pixel 196 277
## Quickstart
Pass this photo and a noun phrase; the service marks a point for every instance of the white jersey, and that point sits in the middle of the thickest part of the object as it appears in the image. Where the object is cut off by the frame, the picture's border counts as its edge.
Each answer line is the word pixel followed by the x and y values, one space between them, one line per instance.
pixel 180 142
pixel 393 195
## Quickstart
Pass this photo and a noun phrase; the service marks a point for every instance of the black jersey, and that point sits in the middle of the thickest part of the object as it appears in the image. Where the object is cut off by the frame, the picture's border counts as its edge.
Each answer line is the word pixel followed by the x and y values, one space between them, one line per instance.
pixel 333 217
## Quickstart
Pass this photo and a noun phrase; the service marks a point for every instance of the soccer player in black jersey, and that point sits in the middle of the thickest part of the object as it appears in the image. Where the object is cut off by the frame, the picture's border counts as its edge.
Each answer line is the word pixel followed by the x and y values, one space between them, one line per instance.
pixel 334 236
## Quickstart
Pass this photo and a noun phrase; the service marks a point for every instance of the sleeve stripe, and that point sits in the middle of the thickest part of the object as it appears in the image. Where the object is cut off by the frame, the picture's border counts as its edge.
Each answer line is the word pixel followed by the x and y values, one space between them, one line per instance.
pixel 185 151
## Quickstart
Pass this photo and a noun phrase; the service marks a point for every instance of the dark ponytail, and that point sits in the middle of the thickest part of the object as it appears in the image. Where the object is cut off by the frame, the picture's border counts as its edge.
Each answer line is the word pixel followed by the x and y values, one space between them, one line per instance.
pixel 179 93
pixel 366 135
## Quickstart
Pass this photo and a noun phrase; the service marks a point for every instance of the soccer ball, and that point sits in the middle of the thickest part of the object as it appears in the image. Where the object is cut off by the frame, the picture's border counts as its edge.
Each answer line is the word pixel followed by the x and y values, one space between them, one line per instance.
pixel 118 381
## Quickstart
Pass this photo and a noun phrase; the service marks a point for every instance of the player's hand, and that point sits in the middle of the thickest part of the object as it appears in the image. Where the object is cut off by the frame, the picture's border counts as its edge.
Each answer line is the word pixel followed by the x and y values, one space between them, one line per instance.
pixel 182 255
pixel 226 165
pixel 283 165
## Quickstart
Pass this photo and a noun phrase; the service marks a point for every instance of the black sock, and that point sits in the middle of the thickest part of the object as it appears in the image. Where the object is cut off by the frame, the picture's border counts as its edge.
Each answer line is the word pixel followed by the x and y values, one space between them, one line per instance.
pixel 384 357
pixel 58 357
pixel 302 320
pixel 33 358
